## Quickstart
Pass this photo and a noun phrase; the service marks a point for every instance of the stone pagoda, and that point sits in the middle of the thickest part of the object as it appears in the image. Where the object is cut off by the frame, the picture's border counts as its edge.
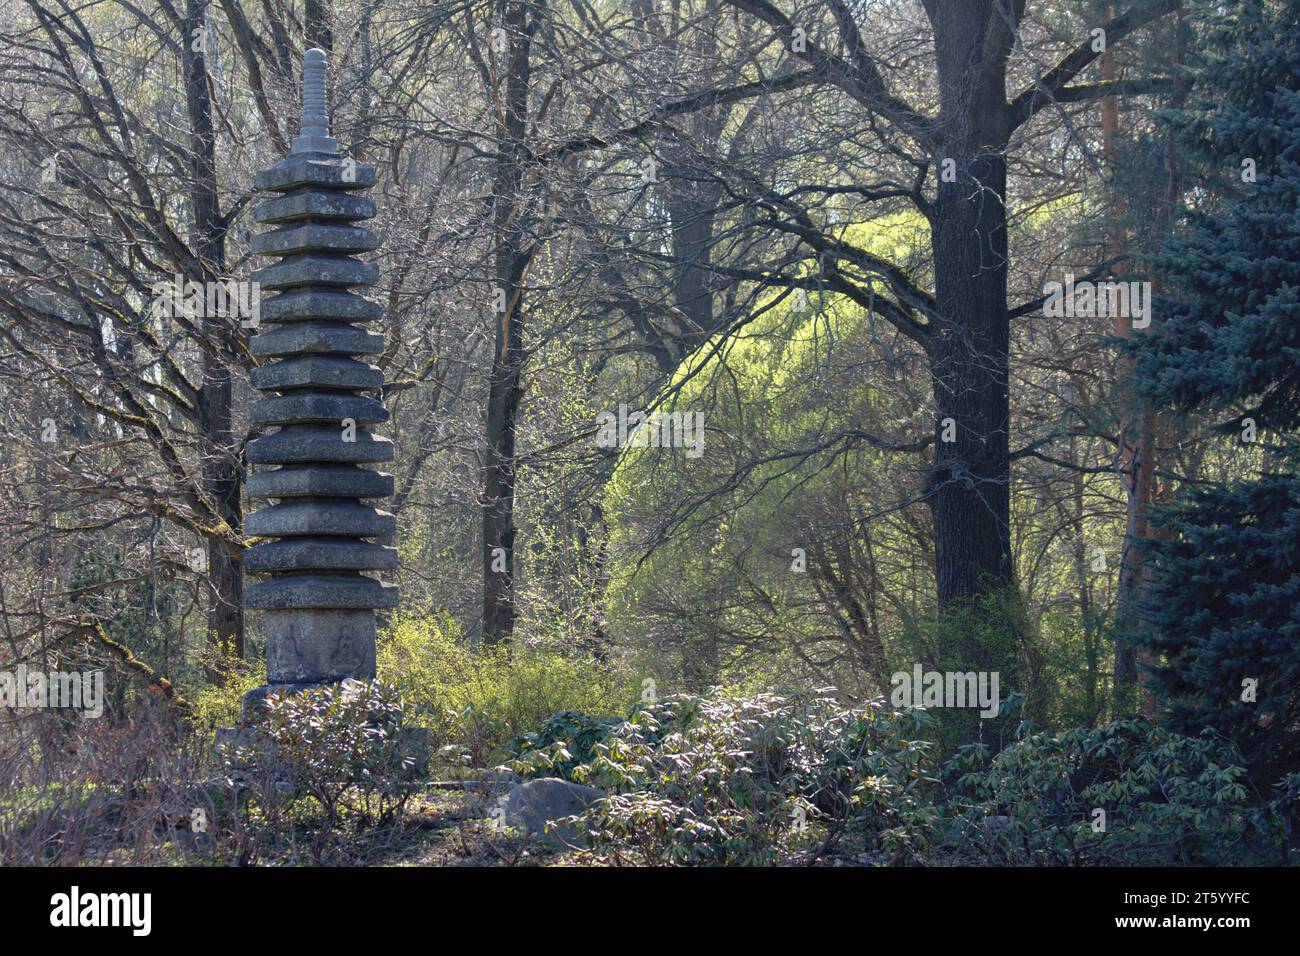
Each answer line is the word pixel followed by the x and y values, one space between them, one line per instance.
pixel 318 392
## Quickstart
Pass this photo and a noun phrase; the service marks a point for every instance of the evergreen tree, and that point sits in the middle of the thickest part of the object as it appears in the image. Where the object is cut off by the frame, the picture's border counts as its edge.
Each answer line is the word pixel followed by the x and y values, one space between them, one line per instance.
pixel 1224 601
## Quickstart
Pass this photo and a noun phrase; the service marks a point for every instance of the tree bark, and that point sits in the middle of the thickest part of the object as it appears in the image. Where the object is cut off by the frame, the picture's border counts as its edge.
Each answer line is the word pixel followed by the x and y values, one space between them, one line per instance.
pixel 222 476
pixel 1137 445
pixel 969 488
pixel 512 256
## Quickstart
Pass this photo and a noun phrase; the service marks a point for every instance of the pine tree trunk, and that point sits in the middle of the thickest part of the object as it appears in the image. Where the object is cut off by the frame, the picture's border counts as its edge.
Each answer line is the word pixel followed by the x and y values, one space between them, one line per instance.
pixel 1137 446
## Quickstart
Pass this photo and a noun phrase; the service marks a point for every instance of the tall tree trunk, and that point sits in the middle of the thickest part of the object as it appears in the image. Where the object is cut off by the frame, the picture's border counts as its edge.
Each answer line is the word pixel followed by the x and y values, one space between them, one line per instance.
pixel 969 488
pixel 1091 641
pixel 221 472
pixel 1137 446
pixel 691 211
pixel 512 256
pixel 691 201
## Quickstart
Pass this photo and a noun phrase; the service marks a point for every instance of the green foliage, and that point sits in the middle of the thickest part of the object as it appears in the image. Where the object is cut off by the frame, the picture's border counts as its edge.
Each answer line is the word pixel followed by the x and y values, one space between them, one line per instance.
pixel 1229 332
pixel 1226 563
pixel 1166 798
pixel 1070 679
pixel 751 780
pixel 475 701
pixel 219 704
pixel 985 635
pixel 564 742
pixel 1225 598
pixel 791 777
pixel 343 745
pixel 719 600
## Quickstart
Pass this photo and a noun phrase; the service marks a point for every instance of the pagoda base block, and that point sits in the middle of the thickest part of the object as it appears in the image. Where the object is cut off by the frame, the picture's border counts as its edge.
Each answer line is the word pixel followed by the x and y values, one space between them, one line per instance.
pixel 319 645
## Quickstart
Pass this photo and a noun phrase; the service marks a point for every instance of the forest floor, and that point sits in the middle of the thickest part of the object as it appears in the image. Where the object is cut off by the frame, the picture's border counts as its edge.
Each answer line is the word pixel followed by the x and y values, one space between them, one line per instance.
pixel 440 829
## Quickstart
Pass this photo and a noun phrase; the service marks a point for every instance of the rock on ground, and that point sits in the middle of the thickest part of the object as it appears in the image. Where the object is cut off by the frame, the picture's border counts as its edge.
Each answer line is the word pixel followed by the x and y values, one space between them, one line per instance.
pixel 532 805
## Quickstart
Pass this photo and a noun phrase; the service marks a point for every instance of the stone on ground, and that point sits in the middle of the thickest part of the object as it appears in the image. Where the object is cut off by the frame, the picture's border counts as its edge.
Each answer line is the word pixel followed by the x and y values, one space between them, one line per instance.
pixel 531 806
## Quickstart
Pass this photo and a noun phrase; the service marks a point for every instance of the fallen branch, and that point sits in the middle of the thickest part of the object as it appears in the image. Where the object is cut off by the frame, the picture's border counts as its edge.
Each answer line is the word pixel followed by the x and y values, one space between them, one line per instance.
pixel 155 680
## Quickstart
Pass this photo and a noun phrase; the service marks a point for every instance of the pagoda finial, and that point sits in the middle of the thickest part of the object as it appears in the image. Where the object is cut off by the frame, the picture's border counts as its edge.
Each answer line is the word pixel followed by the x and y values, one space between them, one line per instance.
pixel 314 130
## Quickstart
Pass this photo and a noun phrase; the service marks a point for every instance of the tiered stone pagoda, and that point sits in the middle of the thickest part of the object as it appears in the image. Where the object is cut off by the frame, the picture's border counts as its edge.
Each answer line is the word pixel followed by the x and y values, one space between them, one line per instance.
pixel 319 601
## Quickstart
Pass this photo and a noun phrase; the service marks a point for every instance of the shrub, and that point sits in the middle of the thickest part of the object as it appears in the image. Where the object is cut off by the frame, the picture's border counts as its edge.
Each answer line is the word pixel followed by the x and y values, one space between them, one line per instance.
pixel 218 704
pixel 342 745
pixel 751 780
pixel 982 635
pixel 564 742
pixel 1167 799
pixel 792 777
pixel 99 792
pixel 476 700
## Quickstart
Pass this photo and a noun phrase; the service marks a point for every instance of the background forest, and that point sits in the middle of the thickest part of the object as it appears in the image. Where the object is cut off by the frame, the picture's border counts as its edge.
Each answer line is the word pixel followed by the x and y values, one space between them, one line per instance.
pixel 826 234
